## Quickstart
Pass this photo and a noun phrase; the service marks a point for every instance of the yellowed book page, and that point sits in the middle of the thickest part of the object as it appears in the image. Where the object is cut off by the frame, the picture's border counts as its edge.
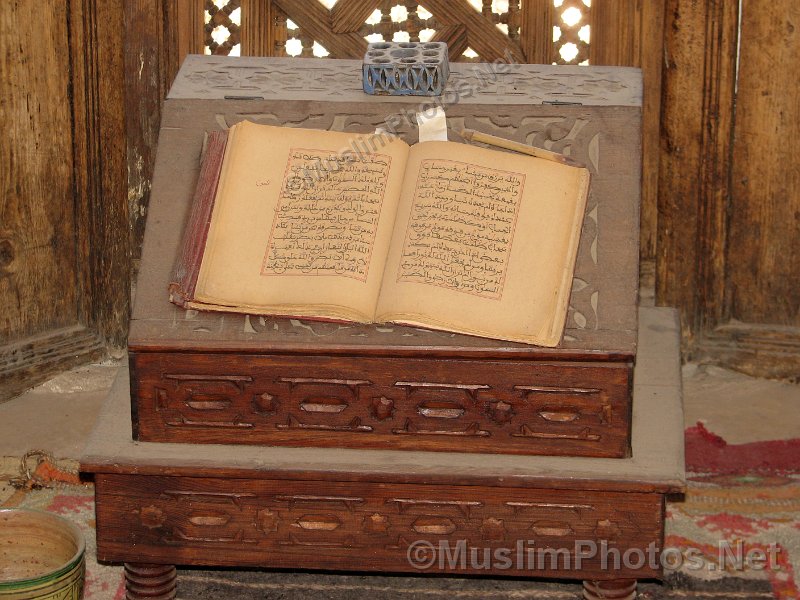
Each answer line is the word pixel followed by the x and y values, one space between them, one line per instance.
pixel 302 222
pixel 484 243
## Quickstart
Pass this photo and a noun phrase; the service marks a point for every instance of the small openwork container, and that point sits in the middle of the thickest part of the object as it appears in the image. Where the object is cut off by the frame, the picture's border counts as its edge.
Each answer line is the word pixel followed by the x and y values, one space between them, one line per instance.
pixel 42 557
pixel 405 68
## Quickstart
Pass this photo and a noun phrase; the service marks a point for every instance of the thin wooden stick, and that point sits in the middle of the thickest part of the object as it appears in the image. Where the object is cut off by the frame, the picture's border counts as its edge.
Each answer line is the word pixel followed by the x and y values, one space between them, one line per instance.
pixel 477 136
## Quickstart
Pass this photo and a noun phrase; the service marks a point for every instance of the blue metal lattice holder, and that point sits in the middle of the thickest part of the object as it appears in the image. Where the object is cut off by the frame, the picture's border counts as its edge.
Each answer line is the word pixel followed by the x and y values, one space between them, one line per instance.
pixel 406 68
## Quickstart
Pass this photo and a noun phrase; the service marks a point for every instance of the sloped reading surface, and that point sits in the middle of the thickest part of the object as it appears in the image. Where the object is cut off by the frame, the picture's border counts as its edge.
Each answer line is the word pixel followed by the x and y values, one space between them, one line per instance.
pixel 603 133
pixel 365 228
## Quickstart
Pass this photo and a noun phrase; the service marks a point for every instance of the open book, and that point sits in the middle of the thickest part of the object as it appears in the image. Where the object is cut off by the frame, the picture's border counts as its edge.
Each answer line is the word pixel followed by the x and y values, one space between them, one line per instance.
pixel 366 228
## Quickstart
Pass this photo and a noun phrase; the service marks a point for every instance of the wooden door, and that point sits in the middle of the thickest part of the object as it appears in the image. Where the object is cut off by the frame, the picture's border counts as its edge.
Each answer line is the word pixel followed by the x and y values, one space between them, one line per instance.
pixel 729 190
pixel 63 208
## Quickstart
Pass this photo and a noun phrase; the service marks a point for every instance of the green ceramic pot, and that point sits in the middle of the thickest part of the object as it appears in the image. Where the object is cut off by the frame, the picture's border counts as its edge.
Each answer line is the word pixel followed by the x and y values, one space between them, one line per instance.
pixel 42 557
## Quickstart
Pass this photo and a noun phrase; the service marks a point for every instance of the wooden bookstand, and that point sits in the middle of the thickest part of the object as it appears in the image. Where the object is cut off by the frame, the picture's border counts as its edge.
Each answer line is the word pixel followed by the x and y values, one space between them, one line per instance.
pixel 231 463
pixel 162 504
pixel 213 378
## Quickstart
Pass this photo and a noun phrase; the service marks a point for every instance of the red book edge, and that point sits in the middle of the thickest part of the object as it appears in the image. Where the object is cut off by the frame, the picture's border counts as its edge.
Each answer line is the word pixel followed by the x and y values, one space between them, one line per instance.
pixel 187 267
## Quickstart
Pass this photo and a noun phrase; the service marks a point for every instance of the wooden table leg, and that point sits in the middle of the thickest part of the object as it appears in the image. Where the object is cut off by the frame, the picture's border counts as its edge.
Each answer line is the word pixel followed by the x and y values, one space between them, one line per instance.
pixel 613 589
pixel 150 582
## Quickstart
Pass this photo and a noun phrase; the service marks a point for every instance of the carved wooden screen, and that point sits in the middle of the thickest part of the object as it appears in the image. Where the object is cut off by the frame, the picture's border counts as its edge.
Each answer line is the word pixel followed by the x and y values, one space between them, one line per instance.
pixel 222 24
pixel 542 31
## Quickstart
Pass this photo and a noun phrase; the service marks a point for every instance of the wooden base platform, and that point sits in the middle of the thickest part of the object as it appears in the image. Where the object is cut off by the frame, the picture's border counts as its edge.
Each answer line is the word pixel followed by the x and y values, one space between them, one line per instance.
pixel 159 505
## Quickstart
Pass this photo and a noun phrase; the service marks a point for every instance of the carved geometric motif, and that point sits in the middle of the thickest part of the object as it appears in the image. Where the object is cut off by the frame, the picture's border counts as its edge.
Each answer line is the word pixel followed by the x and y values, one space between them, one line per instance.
pixel 571 31
pixel 474 84
pixel 338 28
pixel 349 517
pixel 221 31
pixel 266 399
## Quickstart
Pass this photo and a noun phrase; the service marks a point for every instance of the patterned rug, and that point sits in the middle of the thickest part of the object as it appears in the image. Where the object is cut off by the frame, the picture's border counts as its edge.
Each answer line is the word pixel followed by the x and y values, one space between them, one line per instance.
pixel 741 499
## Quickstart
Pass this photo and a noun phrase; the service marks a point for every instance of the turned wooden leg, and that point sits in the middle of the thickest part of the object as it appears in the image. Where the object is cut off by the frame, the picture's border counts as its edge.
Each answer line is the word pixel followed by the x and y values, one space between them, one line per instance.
pixel 150 582
pixel 616 589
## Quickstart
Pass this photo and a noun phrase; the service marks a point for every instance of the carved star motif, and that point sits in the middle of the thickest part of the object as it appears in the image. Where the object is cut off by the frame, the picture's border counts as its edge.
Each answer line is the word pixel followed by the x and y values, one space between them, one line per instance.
pixel 493 529
pixel 265 403
pixel 501 412
pixel 376 523
pixel 267 520
pixel 382 408
pixel 152 517
pixel 607 529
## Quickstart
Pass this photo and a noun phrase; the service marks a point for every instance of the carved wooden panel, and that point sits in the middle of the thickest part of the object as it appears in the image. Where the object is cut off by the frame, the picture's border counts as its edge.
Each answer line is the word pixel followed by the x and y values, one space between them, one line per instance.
pixel 571 31
pixel 296 524
pixel 221 30
pixel 475 30
pixel 258 78
pixel 467 406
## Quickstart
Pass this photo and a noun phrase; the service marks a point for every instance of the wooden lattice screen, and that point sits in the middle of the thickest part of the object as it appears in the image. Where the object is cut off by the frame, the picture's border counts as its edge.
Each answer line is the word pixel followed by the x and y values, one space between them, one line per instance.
pixel 549 31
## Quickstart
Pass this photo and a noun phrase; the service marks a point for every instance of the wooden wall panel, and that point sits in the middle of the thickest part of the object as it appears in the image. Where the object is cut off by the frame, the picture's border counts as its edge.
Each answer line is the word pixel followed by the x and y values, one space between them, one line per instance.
pixel 183 33
pixel 64 240
pixel 764 240
pixel 651 61
pixel 37 243
pixel 100 173
pixel 158 34
pixel 729 209
pixel 696 128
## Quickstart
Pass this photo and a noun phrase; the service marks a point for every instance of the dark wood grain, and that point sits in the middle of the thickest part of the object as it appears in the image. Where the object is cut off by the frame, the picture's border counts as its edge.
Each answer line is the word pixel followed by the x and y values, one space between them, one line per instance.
pixel 511 407
pixel 536 17
pixel 349 15
pixel 758 350
pixel 145 89
pixel 693 187
pixel 763 250
pixel 167 504
pixel 284 524
pixel 150 582
pixel 627 32
pixel 258 32
pixel 37 218
pixel 64 247
pixel 100 169
pixel 25 362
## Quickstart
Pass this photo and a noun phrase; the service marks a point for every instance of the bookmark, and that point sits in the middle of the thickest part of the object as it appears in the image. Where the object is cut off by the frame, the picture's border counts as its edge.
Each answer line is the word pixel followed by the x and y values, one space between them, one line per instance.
pixel 432 127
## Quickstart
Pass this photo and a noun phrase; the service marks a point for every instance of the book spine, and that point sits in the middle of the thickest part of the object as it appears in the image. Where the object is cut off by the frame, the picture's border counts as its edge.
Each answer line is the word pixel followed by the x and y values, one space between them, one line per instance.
pixel 187 266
